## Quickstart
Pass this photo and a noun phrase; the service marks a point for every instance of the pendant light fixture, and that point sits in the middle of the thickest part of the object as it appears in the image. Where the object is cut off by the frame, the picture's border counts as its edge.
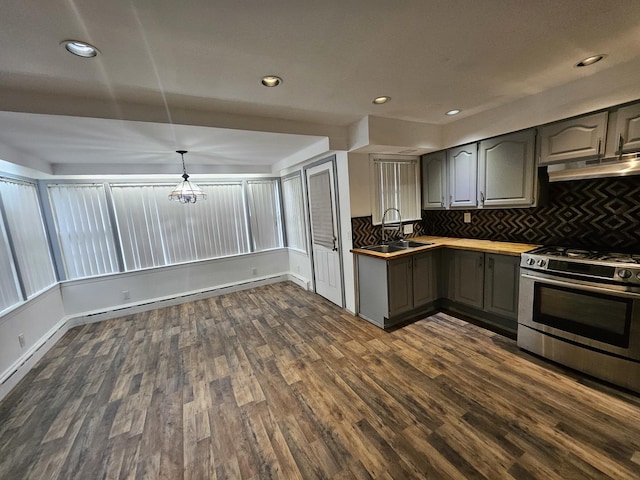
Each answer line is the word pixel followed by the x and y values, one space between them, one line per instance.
pixel 186 191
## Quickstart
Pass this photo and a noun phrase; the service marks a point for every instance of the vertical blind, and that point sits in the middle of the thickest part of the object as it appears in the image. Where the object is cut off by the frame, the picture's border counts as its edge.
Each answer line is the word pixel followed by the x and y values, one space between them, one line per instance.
pixel 264 214
pixel 84 230
pixel 154 232
pixel 396 185
pixel 293 212
pixel 151 231
pixel 9 294
pixel 321 209
pixel 31 247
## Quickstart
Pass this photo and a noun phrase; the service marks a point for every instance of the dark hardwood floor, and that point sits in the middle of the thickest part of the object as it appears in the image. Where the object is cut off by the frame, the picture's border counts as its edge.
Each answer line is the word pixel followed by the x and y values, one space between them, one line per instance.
pixel 276 382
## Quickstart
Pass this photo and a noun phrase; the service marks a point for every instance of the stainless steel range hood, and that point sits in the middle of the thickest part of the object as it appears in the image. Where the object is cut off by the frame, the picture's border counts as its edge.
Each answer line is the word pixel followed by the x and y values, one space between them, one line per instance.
pixel 619 166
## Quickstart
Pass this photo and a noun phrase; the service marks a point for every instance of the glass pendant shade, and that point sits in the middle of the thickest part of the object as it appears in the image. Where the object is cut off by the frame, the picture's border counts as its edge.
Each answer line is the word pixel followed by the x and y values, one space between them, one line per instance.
pixel 186 191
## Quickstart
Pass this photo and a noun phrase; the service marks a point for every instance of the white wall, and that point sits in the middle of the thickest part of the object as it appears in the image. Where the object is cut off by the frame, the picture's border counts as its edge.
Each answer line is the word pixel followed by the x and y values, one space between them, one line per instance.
pixel 105 292
pixel 342 165
pixel 38 319
pixel 359 184
pixel 300 267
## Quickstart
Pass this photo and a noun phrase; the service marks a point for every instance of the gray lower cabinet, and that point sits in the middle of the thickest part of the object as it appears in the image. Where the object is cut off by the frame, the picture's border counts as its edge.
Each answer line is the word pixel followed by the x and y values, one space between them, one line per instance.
pixel 400 285
pixel 484 285
pixel 425 278
pixel 468 278
pixel 481 285
pixel 390 291
pixel 501 280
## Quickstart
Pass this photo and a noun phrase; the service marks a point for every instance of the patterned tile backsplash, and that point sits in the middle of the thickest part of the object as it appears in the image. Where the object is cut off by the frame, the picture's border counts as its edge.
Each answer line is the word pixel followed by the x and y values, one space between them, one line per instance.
pixel 601 213
pixel 365 233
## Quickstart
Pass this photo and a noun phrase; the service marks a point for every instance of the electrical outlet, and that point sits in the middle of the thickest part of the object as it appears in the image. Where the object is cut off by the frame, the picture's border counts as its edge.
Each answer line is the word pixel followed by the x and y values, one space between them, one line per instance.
pixel 21 340
pixel 467 217
pixel 408 228
pixel 126 295
pixel 254 271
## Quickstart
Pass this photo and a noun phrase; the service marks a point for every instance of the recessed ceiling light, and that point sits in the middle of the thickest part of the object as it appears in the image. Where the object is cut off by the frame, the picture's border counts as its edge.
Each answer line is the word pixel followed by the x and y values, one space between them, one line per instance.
pixel 455 111
pixel 381 100
pixel 271 81
pixel 81 49
pixel 590 60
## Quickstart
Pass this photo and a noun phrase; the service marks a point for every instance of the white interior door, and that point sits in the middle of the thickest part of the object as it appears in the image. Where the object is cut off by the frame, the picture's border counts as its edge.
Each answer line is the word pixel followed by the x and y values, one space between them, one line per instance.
pixel 325 243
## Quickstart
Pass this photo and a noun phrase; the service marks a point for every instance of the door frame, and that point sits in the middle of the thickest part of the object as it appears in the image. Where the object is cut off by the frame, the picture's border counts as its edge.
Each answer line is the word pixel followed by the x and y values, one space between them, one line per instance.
pixel 331 159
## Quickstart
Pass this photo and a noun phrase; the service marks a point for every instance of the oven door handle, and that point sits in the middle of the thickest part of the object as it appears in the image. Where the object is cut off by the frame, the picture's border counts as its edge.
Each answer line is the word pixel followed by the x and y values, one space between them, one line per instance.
pixel 580 286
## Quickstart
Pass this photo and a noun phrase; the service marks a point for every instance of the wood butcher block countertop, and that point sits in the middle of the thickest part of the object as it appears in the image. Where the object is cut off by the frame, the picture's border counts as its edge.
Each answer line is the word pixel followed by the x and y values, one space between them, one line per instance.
pixel 502 248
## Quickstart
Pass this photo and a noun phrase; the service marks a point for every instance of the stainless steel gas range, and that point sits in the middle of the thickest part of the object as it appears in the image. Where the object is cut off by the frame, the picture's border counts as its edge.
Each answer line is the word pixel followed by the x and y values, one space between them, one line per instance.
pixel 581 308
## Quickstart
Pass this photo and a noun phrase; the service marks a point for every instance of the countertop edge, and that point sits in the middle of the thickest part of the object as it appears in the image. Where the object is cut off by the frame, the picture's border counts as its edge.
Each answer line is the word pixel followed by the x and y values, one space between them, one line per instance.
pixel 487 246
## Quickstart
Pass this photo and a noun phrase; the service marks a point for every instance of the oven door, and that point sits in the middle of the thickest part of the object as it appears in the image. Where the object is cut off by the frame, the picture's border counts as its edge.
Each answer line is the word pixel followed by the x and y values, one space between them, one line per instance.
pixel 601 316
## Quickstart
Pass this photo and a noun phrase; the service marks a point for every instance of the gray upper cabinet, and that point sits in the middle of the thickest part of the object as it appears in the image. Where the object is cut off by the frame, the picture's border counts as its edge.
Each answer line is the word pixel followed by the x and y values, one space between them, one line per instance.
pixel 463 169
pixel 434 181
pixel 502 276
pixel 506 170
pixel 627 134
pixel 577 138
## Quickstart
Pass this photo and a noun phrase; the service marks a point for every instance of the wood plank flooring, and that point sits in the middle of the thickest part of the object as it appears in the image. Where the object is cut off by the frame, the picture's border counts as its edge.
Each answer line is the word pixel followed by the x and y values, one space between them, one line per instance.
pixel 276 382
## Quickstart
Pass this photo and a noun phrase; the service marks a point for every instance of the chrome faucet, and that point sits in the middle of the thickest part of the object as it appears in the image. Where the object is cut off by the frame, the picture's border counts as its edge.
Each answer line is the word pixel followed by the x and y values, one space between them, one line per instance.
pixel 384 227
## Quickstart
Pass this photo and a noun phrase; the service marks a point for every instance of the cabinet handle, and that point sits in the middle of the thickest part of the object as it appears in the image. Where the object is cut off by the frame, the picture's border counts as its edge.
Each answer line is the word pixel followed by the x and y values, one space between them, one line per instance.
pixel 620 144
pixel 599 145
pixel 490 263
pixel 450 199
pixel 482 197
pixel 480 263
pixel 442 201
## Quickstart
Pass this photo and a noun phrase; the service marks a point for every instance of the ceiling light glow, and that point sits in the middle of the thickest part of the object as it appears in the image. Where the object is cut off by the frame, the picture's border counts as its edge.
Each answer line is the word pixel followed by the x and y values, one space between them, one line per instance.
pixel 81 49
pixel 381 100
pixel 455 111
pixel 590 60
pixel 271 81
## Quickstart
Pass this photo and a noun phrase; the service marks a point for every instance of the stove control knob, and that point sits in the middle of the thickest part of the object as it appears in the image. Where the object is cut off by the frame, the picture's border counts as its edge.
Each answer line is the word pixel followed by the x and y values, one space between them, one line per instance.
pixel 531 261
pixel 624 273
pixel 541 263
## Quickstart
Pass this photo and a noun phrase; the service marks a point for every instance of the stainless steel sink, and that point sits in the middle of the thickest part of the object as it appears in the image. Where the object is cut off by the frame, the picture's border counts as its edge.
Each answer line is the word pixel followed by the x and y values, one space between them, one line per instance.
pixel 384 248
pixel 409 243
pixel 397 246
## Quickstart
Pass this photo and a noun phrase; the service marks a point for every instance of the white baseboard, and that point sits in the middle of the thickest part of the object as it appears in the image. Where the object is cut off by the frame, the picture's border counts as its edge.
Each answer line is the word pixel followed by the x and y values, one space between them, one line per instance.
pixel 19 369
pixel 298 280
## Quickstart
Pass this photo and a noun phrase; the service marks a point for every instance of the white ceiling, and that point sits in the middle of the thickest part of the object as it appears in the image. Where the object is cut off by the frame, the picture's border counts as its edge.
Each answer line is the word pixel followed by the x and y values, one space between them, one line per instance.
pixel 198 64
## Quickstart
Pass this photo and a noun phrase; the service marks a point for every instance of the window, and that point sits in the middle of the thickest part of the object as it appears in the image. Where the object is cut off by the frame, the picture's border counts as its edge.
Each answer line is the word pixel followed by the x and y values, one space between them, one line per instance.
pixel 294 212
pixel 396 184
pixel 29 240
pixel 9 293
pixel 264 214
pixel 84 229
pixel 155 232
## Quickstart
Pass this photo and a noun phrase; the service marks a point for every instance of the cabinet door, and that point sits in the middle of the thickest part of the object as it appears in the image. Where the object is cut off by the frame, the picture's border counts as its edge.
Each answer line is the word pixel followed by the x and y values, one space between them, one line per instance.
pixel 506 170
pixel 400 285
pixel 463 171
pixel 578 138
pixel 627 135
pixel 468 278
pixel 434 180
pixel 424 279
pixel 502 277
